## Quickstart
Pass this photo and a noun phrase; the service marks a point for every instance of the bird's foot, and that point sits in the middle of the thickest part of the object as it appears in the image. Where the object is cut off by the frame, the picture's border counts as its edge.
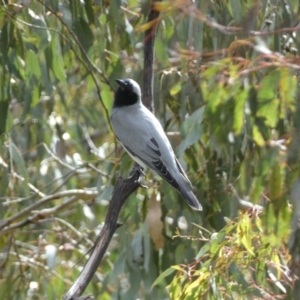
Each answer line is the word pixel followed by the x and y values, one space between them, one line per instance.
pixel 137 170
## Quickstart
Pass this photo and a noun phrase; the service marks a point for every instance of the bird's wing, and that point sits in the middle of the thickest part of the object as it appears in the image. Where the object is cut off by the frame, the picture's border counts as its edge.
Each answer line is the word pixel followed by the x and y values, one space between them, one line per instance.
pixel 151 156
pixel 182 171
pixel 143 137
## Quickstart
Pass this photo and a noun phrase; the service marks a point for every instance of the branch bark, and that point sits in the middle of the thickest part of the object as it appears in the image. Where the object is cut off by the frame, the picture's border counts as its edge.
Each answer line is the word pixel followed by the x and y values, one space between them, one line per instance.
pixel 83 194
pixel 149 58
pixel 122 190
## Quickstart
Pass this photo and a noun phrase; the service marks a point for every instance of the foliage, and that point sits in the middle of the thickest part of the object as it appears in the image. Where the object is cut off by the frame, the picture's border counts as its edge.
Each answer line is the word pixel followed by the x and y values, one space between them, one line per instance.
pixel 226 90
pixel 233 264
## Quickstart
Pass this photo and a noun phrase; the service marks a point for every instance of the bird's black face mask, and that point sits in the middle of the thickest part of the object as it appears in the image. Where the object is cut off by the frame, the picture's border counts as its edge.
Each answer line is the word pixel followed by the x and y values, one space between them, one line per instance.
pixel 125 94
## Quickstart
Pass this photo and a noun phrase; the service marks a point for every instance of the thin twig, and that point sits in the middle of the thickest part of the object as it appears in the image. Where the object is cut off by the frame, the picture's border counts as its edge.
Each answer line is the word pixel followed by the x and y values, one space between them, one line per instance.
pixel 74 230
pixel 28 261
pixel 83 194
pixel 31 186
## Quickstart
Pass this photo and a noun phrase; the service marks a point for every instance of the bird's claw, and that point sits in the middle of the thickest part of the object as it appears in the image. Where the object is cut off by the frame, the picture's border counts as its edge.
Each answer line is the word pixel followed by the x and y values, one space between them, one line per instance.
pixel 143 186
pixel 137 170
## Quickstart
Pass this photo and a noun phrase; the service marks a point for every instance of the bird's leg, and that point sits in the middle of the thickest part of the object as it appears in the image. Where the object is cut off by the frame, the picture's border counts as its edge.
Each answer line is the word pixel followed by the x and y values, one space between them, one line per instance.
pixel 137 170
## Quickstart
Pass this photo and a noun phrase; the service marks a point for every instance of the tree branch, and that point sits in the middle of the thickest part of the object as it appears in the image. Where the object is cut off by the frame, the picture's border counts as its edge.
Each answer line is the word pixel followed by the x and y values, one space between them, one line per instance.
pixel 123 188
pixel 83 194
pixel 149 58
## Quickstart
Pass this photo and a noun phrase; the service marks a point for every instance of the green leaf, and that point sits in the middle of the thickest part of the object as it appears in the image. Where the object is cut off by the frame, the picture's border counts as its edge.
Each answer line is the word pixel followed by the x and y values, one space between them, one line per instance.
pixel 288 89
pixel 239 111
pixel 269 111
pixel 175 286
pixel 192 130
pixel 236 10
pixel 32 65
pixel 161 54
pixel 276 263
pixel 18 160
pixel 195 284
pixel 88 5
pixel 28 98
pixel 268 87
pixel 33 77
pixel 176 88
pixel 163 275
pixel 204 249
pixel 137 246
pixel 57 61
pixel 216 97
pixel 16 66
pixel 147 248
pixel 3 187
pixel 4 101
pixel 243 230
pixel 276 181
pixel 106 95
pixel 168 28
pixel 84 33
pixel 257 136
pixel 214 248
pixel 5 39
pixel 261 272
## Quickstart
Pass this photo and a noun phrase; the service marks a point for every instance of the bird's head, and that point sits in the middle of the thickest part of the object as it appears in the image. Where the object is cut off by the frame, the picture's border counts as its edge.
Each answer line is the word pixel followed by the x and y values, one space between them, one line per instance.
pixel 128 93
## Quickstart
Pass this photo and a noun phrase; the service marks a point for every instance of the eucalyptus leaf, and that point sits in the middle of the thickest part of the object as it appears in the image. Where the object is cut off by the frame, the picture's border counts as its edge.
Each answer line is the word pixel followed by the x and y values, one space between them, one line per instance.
pixel 17 159
pixel 192 130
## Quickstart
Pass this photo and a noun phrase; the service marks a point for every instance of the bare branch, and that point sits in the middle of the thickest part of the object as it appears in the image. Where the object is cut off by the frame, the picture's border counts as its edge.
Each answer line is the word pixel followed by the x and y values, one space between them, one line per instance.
pixel 149 58
pixel 123 188
pixel 28 210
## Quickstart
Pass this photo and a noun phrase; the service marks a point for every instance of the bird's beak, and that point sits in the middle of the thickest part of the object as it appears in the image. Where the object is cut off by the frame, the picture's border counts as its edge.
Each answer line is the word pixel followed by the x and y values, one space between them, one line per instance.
pixel 121 83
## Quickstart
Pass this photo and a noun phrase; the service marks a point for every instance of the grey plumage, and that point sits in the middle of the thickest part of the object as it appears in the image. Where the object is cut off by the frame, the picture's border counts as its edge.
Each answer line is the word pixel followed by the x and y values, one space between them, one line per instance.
pixel 143 137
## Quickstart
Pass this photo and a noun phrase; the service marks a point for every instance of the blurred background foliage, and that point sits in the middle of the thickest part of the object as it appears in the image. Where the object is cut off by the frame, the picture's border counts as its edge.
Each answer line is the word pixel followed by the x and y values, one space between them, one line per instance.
pixel 226 91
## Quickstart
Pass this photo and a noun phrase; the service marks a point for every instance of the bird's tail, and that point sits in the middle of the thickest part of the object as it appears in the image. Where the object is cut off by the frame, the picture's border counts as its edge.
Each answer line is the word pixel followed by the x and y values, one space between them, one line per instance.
pixel 186 189
pixel 188 195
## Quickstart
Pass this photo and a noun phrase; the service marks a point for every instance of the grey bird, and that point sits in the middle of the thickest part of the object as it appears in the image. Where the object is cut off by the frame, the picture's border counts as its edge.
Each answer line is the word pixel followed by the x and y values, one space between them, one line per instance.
pixel 143 137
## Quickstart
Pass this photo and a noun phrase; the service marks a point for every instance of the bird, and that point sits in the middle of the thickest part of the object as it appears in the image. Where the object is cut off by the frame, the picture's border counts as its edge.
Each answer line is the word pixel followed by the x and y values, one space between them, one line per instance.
pixel 143 138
